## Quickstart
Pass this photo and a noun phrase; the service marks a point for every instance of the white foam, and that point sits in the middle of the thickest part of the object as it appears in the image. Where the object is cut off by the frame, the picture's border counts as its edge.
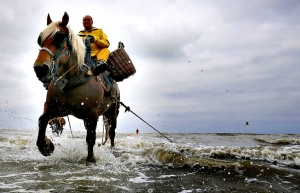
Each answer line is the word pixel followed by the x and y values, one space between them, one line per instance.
pixel 249 180
pixel 91 178
pixel 166 176
pixel 185 191
pixel 45 191
pixel 18 174
pixel 9 186
pixel 131 152
pixel 142 178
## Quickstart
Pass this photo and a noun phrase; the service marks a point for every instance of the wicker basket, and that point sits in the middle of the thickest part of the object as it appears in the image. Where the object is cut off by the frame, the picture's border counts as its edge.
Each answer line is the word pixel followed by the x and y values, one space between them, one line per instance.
pixel 119 64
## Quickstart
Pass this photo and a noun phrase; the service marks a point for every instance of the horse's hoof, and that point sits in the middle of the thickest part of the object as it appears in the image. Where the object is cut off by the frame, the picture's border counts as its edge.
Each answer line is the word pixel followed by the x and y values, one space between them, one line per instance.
pixel 47 150
pixel 90 161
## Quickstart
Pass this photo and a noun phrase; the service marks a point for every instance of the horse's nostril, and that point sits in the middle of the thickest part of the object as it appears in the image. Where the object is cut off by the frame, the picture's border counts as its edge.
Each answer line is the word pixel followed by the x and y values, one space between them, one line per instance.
pixel 41 71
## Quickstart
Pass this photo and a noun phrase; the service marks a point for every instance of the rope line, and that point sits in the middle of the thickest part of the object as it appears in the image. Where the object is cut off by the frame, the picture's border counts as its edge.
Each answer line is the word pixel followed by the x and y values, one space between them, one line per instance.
pixel 128 109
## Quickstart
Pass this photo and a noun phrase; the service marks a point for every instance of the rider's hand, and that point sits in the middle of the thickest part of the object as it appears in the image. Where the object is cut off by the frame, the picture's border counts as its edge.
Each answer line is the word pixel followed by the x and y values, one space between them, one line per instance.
pixel 92 40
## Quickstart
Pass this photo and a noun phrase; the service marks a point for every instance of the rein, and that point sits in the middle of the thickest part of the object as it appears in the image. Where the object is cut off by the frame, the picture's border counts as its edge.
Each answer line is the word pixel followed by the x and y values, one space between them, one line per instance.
pixel 65 73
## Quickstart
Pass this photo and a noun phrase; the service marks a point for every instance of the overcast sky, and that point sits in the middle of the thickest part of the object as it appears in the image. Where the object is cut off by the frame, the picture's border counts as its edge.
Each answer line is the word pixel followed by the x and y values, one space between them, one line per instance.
pixel 202 66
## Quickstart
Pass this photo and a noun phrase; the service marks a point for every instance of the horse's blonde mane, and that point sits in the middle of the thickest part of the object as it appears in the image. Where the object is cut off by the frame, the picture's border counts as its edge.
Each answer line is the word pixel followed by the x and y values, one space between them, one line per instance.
pixel 77 43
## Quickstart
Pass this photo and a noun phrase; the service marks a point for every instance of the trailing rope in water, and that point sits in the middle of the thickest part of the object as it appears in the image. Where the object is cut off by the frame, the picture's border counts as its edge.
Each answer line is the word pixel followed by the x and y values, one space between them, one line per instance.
pixel 128 109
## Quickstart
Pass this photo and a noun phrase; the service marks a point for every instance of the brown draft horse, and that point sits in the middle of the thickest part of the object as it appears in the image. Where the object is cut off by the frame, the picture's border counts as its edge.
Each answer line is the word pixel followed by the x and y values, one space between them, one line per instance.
pixel 71 91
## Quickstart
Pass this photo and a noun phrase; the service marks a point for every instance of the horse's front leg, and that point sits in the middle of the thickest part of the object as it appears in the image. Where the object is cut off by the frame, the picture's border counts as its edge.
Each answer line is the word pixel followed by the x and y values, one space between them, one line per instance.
pixel 44 144
pixel 90 139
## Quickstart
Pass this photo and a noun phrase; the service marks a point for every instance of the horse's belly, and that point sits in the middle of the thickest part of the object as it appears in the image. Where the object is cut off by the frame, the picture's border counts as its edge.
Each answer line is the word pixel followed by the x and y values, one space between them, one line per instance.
pixel 82 102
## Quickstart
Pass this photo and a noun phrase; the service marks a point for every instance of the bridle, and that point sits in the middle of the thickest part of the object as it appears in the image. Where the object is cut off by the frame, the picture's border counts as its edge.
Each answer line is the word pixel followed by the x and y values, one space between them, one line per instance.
pixel 59 53
pixel 56 56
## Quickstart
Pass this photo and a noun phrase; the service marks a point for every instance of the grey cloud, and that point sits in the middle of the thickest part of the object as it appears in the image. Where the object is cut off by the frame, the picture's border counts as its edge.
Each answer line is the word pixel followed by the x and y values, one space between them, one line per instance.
pixel 259 11
pixel 164 43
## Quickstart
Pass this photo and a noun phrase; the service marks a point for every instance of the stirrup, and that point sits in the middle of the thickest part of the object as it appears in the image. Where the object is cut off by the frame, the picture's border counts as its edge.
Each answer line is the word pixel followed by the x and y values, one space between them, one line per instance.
pixel 100 67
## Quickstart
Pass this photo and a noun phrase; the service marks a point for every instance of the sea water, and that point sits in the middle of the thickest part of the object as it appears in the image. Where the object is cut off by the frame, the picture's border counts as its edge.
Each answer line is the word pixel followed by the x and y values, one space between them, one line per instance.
pixel 148 162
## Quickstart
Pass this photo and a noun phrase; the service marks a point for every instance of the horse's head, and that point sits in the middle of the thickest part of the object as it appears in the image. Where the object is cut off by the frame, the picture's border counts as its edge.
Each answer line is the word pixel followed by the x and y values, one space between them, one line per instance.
pixel 56 48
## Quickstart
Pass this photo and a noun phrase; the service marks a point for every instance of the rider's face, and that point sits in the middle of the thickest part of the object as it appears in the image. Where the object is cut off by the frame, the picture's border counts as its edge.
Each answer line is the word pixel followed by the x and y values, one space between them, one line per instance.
pixel 87 22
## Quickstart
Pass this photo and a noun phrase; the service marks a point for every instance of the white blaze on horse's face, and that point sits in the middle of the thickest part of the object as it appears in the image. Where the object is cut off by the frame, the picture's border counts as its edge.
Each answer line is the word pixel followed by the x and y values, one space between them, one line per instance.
pixel 43 63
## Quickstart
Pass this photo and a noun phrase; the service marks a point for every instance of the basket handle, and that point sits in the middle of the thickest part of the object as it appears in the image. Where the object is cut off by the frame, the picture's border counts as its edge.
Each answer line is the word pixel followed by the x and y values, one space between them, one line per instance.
pixel 121 45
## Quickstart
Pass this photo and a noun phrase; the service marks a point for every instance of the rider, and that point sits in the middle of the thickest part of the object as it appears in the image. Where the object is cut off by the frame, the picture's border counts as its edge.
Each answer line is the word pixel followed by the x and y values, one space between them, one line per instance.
pixel 98 44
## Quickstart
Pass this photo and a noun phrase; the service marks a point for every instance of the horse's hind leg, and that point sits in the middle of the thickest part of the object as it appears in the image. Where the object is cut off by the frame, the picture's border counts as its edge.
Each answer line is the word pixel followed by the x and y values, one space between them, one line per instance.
pixel 112 115
pixel 106 125
pixel 90 139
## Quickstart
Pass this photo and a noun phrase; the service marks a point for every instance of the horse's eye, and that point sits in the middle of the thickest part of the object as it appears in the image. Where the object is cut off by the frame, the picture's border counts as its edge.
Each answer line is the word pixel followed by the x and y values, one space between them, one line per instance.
pixel 58 39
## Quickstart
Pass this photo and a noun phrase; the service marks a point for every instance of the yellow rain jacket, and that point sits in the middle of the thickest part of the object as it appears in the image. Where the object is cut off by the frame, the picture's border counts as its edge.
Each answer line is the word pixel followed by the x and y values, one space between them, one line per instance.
pixel 100 46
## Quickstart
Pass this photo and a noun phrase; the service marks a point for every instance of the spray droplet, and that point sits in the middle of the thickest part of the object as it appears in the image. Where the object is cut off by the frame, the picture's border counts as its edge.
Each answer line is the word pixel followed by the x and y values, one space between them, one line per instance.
pixel 82 103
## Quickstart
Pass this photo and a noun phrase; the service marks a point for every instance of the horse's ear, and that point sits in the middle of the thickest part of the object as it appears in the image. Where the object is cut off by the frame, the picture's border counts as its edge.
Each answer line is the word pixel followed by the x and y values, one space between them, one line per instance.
pixel 65 20
pixel 49 20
